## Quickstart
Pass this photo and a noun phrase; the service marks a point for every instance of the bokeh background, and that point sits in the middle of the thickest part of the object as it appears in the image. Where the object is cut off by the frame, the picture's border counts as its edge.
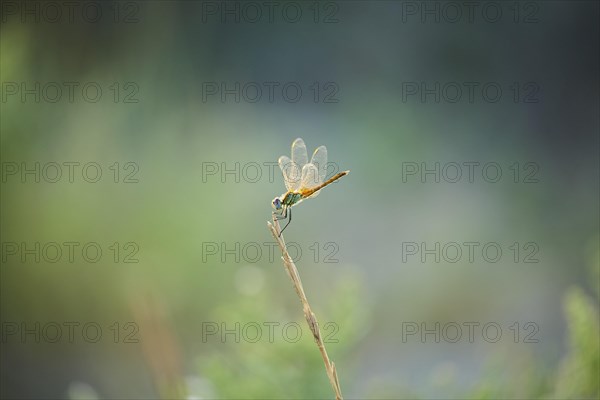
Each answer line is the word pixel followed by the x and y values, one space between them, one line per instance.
pixel 191 198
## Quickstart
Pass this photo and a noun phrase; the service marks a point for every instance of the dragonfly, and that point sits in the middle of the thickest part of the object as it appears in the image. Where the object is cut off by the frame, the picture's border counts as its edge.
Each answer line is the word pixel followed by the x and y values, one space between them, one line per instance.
pixel 303 179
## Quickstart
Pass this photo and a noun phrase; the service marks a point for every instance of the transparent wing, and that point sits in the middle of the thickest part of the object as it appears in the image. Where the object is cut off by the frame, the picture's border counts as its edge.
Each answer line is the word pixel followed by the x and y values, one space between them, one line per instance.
pixel 284 164
pixel 310 176
pixel 299 153
pixel 319 160
pixel 291 173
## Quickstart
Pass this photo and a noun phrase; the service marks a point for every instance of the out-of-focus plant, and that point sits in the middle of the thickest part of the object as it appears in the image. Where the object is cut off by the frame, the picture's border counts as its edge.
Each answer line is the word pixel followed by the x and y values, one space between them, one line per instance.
pixel 579 374
pixel 283 368
pixel 294 370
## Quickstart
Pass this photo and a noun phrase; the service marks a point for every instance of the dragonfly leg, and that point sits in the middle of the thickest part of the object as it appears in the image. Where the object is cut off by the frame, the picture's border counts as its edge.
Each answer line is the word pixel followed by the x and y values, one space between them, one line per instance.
pixel 289 220
pixel 281 214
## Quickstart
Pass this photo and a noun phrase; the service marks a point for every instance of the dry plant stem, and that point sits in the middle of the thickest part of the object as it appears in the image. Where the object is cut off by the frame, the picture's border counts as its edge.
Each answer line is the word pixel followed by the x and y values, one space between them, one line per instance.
pixel 308 314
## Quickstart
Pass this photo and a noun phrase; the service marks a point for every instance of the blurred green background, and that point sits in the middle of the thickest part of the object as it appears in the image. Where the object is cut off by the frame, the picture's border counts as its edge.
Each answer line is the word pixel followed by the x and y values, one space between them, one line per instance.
pixel 193 230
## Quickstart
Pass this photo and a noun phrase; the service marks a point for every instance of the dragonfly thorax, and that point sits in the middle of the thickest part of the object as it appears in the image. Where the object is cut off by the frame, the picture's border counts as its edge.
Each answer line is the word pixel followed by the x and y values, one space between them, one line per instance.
pixel 291 198
pixel 286 200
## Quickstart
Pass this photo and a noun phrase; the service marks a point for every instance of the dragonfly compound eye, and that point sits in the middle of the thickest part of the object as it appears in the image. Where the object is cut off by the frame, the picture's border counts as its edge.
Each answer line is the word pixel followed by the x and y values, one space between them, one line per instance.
pixel 276 203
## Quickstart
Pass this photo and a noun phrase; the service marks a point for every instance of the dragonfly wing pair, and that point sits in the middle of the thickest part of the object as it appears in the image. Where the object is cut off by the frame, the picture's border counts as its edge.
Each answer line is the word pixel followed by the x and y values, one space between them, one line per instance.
pixel 303 179
pixel 300 175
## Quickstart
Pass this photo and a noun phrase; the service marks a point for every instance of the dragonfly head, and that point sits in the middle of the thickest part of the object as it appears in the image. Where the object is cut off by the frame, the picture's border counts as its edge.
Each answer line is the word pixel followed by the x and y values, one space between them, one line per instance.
pixel 277 204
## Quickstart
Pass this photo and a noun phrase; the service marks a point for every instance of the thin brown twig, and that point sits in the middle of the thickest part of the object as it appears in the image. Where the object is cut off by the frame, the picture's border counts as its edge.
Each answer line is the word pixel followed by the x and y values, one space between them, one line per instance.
pixel 308 314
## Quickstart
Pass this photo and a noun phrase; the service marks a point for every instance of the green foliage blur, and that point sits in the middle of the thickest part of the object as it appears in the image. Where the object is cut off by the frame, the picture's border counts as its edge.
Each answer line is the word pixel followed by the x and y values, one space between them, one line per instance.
pixel 295 370
pixel 286 368
pixel 177 289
